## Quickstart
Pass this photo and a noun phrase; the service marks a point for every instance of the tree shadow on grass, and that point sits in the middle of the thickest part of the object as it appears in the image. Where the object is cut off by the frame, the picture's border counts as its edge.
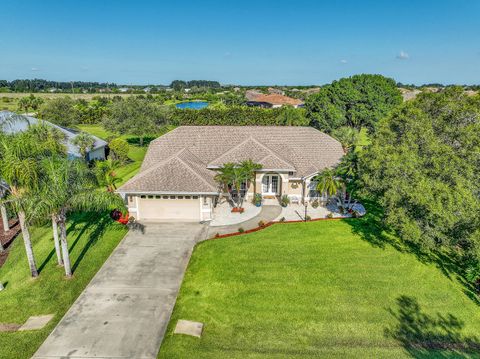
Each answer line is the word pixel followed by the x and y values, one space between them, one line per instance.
pixel 372 229
pixel 427 336
pixel 97 228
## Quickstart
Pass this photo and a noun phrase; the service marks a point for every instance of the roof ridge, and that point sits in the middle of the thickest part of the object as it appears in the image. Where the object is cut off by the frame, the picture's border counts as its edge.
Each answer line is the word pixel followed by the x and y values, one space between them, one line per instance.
pixel 273 153
pixel 195 173
pixel 154 167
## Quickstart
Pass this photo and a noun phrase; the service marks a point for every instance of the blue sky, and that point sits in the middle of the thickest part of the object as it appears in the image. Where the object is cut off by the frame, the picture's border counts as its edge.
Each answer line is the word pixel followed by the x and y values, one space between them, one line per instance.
pixel 242 42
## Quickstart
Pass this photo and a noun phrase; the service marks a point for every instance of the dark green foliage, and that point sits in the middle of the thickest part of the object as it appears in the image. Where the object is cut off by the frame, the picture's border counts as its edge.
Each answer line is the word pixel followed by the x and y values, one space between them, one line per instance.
pixel 238 116
pixel 179 85
pixel 135 116
pixel 60 111
pixel 424 168
pixel 119 148
pixel 358 101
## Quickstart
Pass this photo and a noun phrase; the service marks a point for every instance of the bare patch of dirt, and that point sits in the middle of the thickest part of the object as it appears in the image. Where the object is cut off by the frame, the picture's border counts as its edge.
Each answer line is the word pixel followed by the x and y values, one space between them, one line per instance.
pixel 9 327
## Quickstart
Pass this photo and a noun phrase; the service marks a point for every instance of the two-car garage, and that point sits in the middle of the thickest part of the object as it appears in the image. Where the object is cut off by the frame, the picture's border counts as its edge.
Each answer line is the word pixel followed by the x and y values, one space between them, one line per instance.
pixel 169 207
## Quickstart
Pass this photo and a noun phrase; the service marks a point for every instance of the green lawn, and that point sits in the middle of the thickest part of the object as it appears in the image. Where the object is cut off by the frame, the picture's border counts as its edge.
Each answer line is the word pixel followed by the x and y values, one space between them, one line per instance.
pixel 91 240
pixel 327 289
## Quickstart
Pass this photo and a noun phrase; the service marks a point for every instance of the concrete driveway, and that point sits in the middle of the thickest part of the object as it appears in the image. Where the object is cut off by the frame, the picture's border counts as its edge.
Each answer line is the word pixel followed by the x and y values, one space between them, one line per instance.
pixel 125 310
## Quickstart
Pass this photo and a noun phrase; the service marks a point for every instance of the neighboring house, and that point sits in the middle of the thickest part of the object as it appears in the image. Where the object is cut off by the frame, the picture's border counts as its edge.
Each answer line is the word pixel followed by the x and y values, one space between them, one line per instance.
pixel 176 180
pixel 274 101
pixel 21 123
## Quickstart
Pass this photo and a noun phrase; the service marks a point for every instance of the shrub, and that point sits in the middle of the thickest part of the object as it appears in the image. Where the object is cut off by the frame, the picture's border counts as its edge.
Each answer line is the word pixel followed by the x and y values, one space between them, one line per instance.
pixel 261 223
pixel 241 230
pixel 330 215
pixel 119 148
pixel 285 201
pixel 217 235
pixel 257 199
pixel 315 203
pixel 308 218
pixel 282 219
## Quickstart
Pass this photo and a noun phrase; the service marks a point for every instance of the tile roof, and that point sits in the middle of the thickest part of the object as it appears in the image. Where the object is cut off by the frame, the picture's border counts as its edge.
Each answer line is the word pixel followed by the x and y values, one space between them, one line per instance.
pixel 277 99
pixel 179 160
pixel 182 172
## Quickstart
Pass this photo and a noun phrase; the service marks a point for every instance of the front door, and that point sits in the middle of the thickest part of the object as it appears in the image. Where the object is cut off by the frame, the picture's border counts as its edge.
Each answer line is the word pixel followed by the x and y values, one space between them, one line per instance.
pixel 270 185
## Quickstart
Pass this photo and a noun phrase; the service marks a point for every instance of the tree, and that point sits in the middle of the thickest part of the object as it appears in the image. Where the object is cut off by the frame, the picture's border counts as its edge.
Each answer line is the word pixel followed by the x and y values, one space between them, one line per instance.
pixel 119 149
pixel 290 116
pixel 20 155
pixel 347 136
pixel 236 177
pixel 328 182
pixel 69 185
pixel 423 168
pixel 133 116
pixel 60 111
pixel 358 101
pixel 106 174
pixel 85 143
pixel 3 209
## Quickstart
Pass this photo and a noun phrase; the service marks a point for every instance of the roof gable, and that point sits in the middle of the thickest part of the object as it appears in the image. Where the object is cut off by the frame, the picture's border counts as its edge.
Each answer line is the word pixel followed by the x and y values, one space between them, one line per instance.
pixel 251 149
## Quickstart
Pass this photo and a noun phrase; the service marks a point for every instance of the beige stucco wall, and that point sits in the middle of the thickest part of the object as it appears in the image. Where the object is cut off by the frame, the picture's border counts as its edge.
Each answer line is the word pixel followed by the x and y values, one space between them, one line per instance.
pixel 295 188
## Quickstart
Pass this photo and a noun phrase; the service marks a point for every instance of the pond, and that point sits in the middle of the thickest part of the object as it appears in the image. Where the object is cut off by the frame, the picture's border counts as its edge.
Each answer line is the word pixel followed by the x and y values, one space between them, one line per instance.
pixel 196 105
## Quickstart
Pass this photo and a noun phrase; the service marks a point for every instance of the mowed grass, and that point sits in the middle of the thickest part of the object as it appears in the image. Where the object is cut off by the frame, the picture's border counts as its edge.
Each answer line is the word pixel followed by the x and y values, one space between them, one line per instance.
pixel 320 290
pixel 91 240
pixel 135 153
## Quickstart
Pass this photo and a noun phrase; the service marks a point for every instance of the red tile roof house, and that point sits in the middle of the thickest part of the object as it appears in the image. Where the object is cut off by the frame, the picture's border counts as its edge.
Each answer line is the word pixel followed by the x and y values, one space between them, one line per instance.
pixel 176 180
pixel 273 101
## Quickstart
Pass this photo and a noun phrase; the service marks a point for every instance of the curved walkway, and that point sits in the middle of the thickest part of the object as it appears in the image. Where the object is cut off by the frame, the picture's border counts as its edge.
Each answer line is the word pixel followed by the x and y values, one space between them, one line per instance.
pixel 267 214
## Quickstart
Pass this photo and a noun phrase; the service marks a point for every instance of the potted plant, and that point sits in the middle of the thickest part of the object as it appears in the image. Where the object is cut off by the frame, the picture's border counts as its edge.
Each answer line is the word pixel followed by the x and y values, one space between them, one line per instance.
pixel 284 201
pixel 257 199
pixel 315 203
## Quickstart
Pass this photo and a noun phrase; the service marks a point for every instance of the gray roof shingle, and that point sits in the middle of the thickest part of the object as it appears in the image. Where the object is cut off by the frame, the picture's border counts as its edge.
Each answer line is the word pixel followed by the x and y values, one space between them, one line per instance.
pixel 188 151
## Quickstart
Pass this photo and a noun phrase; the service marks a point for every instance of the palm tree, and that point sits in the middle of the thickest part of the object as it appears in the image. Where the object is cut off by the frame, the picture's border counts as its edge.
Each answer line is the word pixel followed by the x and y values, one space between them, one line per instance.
pixel 106 174
pixel 347 136
pixel 69 185
pixel 20 155
pixel 234 176
pixel 328 182
pixel 3 209
pixel 85 143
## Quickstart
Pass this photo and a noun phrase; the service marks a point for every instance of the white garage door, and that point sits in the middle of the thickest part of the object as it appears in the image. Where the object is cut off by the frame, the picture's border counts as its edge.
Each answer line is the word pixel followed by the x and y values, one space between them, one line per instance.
pixel 176 207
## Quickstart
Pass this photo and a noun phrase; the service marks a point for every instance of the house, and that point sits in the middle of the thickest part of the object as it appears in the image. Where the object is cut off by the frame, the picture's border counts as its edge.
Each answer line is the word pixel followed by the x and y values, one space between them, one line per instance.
pixel 274 100
pixel 176 179
pixel 18 123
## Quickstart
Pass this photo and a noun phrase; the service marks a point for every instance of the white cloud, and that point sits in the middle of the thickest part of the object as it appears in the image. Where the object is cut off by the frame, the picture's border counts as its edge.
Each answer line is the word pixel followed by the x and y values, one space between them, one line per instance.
pixel 227 54
pixel 343 61
pixel 35 69
pixel 403 55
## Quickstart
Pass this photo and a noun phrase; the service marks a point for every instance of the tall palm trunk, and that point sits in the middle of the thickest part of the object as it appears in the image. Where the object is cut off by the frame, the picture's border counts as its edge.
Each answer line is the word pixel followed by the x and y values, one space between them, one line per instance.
pixel 56 241
pixel 63 240
pixel 28 244
pixel 3 213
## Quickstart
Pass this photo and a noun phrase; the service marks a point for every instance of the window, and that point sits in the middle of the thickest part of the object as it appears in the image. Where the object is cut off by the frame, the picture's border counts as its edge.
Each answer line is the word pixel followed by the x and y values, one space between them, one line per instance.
pixel 150 197
pixel 143 196
pixel 188 197
pixel 195 197
pixel 172 197
pixel 179 197
pixel 158 197
pixel 165 197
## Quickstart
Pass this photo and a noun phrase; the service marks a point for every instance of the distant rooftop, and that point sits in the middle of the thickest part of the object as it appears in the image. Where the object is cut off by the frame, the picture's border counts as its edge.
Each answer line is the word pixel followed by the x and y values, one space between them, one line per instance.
pixel 18 123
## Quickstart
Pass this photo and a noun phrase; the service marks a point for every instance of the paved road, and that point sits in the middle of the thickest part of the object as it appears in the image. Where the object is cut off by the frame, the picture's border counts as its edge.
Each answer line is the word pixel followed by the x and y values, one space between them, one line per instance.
pixel 124 311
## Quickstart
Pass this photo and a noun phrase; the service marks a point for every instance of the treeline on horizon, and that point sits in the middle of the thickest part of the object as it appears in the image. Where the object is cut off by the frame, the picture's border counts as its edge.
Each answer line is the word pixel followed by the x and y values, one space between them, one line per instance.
pixel 41 85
